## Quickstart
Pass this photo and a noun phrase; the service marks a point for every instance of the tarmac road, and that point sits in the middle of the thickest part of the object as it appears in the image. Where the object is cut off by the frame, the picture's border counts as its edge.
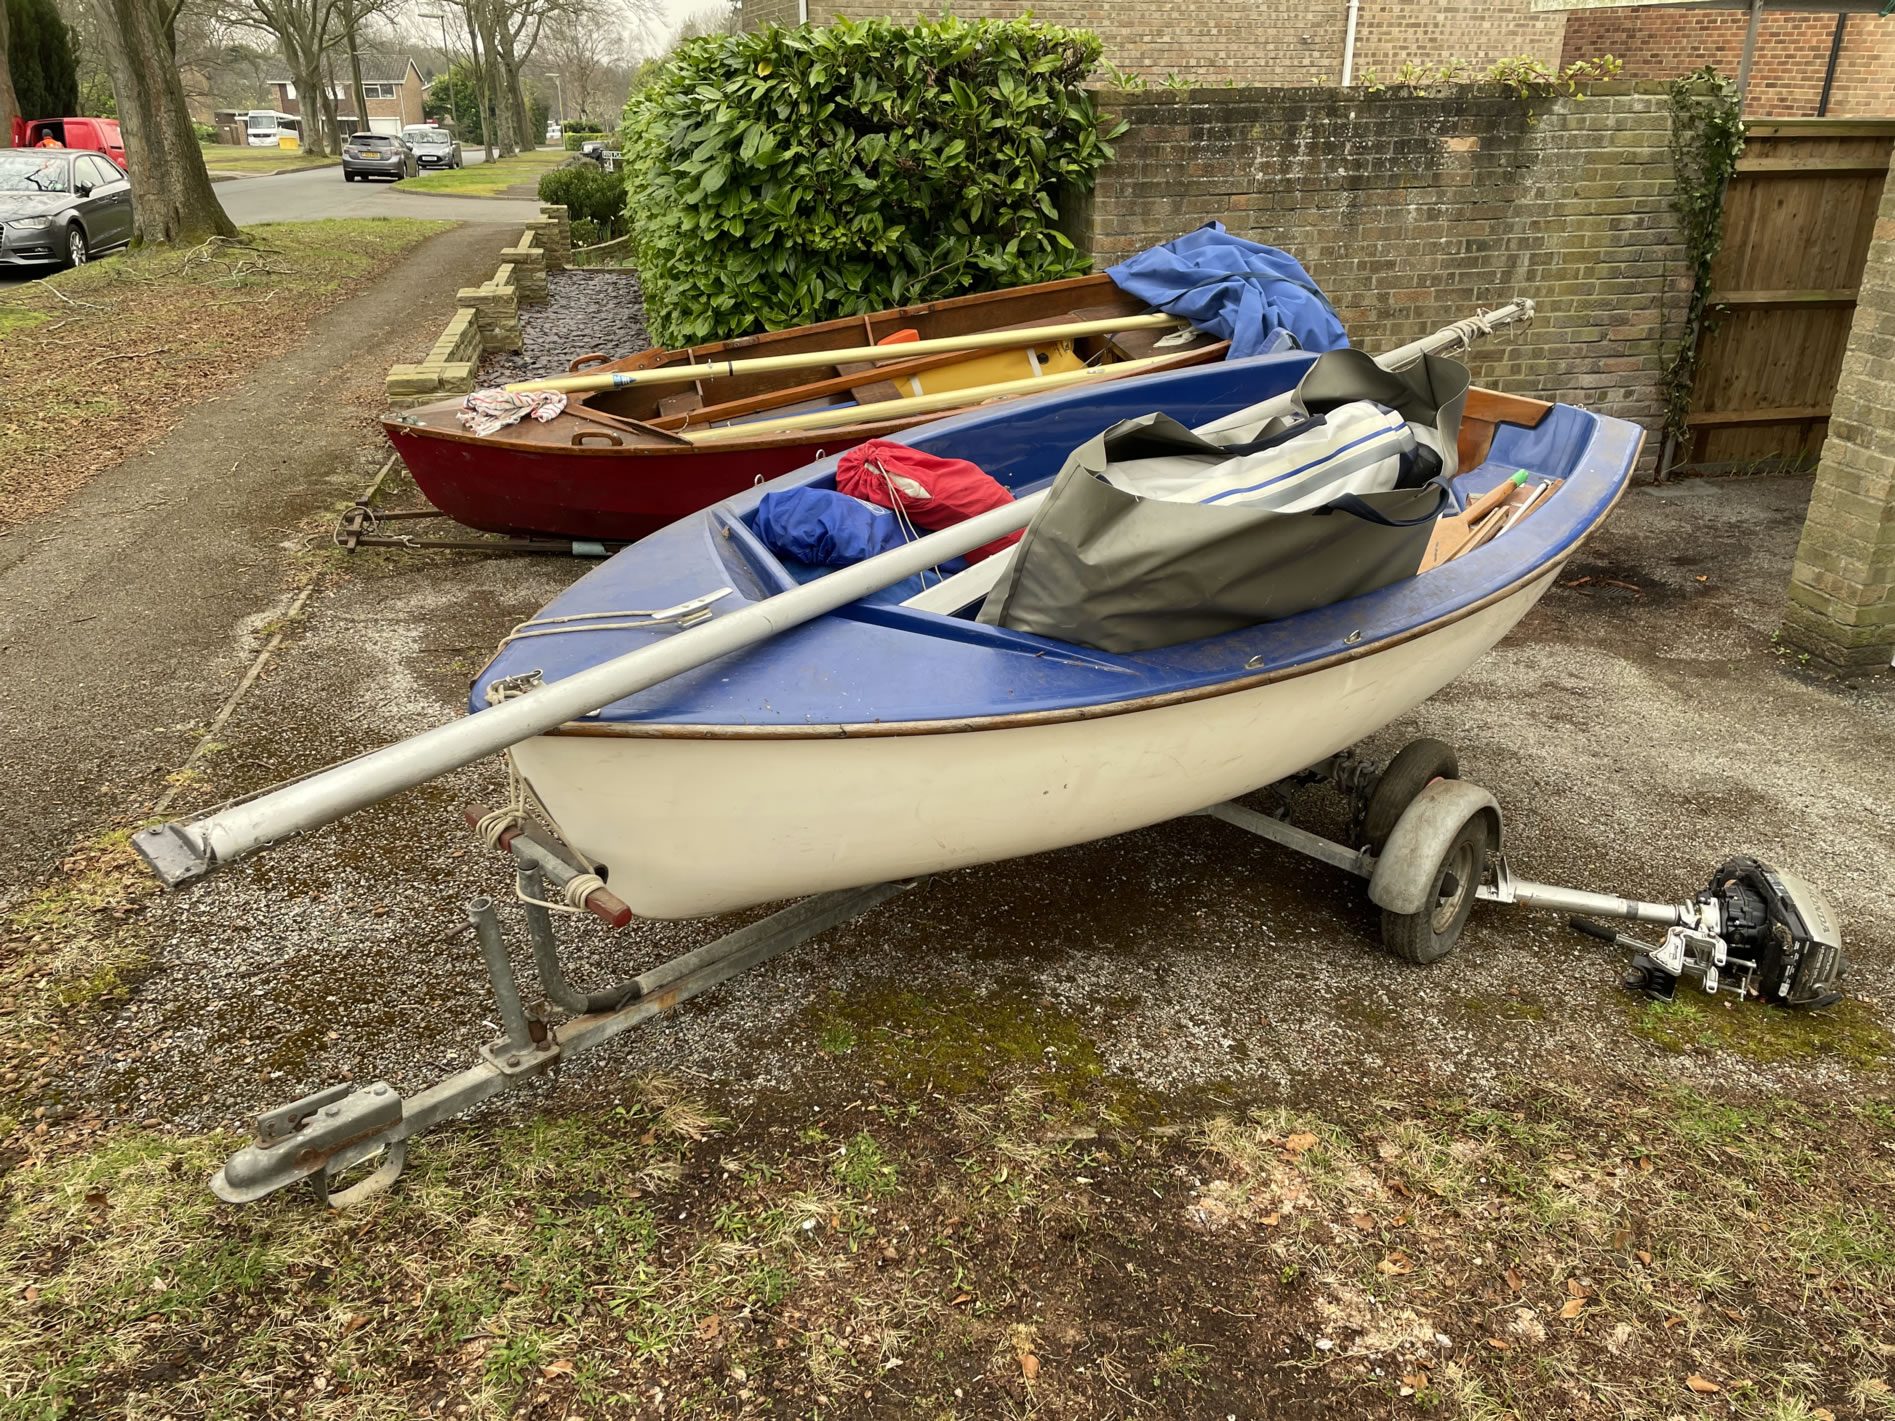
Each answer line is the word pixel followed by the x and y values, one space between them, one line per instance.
pixel 320 192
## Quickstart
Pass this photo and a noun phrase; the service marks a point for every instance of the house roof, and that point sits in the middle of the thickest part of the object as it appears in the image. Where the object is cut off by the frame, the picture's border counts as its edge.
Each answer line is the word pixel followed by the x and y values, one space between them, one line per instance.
pixel 401 78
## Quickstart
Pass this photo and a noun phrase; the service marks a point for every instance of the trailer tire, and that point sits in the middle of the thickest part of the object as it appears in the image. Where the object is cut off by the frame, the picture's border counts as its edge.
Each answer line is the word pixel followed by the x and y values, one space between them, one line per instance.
pixel 1433 932
pixel 1416 765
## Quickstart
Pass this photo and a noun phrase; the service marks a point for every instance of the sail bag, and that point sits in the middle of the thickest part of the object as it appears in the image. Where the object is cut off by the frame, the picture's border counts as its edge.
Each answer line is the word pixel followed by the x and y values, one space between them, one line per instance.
pixel 1153 534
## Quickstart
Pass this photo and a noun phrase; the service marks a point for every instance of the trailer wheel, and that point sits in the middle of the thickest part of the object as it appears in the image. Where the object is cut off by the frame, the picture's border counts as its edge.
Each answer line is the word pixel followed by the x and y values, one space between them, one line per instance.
pixel 1433 932
pixel 1416 765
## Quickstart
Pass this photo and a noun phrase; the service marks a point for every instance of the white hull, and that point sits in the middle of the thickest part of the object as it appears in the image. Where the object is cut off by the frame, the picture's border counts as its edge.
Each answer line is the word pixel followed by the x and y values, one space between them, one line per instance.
pixel 691 827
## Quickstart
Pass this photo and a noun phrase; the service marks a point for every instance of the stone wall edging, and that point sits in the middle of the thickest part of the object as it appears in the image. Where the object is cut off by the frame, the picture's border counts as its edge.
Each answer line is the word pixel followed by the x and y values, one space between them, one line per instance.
pixel 486 317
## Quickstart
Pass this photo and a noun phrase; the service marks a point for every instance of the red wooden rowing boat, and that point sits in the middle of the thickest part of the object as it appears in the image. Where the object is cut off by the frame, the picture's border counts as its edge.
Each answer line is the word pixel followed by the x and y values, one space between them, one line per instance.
pixel 615 466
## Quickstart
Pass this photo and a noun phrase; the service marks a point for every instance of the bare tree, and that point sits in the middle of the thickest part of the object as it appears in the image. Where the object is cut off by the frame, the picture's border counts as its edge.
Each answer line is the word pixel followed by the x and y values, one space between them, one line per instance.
pixel 351 16
pixel 304 30
pixel 172 197
pixel 9 102
pixel 589 42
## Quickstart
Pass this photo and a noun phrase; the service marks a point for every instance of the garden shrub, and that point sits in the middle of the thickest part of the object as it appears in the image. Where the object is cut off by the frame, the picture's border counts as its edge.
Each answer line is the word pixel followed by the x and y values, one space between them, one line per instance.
pixel 785 176
pixel 577 132
pixel 591 195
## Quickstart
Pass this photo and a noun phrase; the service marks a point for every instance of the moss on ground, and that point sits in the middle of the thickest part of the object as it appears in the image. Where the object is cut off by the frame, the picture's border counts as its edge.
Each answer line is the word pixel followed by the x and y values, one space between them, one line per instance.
pixel 1847 1032
pixel 957 1043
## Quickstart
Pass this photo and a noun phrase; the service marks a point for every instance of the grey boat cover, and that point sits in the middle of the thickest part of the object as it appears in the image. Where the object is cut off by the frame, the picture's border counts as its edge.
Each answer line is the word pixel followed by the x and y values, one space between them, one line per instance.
pixel 1153 534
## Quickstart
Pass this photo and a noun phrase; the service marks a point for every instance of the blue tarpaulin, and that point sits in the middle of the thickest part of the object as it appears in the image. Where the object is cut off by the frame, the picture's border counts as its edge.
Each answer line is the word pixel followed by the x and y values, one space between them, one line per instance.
pixel 1240 290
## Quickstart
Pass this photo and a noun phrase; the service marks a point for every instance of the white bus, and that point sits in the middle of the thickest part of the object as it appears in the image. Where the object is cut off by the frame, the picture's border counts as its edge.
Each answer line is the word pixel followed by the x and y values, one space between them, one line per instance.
pixel 263 127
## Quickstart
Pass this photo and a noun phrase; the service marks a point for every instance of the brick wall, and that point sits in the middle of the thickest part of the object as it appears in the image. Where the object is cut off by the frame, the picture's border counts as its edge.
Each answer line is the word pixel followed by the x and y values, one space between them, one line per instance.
pixel 1786 79
pixel 1842 590
pixel 1390 33
pixel 1249 42
pixel 758 13
pixel 1411 212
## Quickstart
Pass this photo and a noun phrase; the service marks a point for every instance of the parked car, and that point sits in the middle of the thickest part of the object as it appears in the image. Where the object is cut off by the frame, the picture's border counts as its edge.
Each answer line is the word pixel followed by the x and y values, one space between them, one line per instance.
pixel 61 206
pixel 101 135
pixel 434 147
pixel 377 155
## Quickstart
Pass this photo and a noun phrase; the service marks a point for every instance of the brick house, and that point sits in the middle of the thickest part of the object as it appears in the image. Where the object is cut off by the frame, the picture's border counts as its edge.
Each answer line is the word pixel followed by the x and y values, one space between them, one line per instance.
pixel 1275 44
pixel 393 104
pixel 1808 64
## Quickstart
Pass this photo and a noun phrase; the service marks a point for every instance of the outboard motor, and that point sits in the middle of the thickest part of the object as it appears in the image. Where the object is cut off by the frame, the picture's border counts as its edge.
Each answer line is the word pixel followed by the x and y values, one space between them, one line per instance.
pixel 1754 928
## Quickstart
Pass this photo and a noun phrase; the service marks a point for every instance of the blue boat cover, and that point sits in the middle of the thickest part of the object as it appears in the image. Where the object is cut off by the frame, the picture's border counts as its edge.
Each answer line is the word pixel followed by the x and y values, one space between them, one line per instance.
pixel 824 528
pixel 1237 289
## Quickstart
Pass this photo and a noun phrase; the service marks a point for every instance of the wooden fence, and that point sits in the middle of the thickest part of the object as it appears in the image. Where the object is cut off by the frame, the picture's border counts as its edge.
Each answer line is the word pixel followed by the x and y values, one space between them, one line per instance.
pixel 1797 222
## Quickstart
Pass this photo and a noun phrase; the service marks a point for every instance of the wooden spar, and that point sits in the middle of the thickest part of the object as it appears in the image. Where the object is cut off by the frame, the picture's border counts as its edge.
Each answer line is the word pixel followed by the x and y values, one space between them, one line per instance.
pixel 923 404
pixel 809 359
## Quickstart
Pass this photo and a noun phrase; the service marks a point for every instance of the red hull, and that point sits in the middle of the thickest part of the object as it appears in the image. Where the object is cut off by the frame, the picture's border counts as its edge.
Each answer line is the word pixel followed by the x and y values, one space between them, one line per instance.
pixel 580 493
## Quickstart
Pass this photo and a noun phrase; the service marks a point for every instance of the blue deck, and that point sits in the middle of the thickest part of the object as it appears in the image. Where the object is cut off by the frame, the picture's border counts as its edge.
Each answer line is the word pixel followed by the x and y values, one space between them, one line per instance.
pixel 875 662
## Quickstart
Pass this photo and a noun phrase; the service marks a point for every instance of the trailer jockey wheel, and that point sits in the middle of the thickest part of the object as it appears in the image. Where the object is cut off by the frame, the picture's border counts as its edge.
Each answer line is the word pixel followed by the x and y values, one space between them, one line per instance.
pixel 1432 933
pixel 1416 765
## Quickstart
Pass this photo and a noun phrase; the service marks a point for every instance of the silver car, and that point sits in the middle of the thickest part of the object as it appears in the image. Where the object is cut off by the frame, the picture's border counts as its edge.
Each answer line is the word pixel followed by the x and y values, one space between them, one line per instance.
pixel 433 147
pixel 377 155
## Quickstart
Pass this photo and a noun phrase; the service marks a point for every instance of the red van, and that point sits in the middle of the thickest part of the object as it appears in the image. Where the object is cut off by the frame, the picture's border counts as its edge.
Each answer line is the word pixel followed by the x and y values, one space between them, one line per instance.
pixel 99 134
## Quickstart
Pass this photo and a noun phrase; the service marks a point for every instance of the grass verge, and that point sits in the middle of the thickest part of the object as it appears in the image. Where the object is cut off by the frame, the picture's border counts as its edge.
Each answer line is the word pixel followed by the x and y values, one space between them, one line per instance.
pixel 488 179
pixel 878 1247
pixel 100 361
pixel 229 158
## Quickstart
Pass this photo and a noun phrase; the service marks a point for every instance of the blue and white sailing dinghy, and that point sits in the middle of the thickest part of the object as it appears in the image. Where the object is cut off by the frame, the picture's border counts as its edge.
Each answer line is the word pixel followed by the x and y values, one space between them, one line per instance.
pixel 1035 700
pixel 1228 575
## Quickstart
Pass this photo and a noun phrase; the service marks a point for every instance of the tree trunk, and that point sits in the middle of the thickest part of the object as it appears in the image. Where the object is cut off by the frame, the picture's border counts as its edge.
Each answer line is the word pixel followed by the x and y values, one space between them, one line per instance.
pixel 9 104
pixel 516 97
pixel 475 82
pixel 500 138
pixel 172 197
pixel 355 69
pixel 307 80
pixel 336 135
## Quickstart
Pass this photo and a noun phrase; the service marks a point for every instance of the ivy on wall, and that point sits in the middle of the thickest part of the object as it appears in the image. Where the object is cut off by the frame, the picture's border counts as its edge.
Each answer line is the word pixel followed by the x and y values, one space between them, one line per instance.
pixel 1707 134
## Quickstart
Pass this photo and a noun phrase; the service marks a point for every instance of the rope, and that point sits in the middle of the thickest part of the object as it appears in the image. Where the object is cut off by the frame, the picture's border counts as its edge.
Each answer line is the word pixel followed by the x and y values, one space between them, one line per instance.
pixel 579 887
pixel 909 532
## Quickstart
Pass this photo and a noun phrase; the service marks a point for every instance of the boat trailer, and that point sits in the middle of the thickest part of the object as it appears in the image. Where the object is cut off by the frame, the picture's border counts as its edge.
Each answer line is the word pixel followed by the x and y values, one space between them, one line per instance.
pixel 1429 848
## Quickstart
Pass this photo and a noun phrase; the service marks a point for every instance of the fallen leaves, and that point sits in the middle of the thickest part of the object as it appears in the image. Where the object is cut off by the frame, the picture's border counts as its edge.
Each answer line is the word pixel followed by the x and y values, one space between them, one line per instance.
pixel 553 1370
pixel 1300 1143
pixel 1704 1386
pixel 1029 1366
pixel 1395 1264
pixel 1572 1308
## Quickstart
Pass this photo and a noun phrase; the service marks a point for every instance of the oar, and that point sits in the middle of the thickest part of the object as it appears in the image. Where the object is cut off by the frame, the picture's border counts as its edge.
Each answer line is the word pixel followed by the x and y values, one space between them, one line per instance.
pixel 811 359
pixel 181 850
pixel 877 410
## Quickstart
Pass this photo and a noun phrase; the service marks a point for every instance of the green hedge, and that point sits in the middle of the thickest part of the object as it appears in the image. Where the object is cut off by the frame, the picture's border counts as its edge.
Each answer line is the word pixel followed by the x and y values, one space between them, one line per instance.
pixel 785 176
pixel 590 195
